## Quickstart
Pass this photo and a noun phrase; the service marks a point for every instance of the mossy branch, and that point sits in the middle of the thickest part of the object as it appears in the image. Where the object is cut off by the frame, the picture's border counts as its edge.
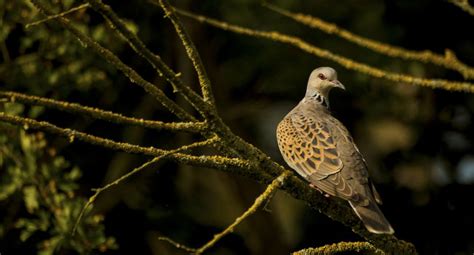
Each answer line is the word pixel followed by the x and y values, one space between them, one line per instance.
pixel 464 5
pixel 259 201
pixel 193 127
pixel 62 14
pixel 110 57
pixel 217 162
pixel 342 248
pixel 155 60
pixel 448 60
pixel 191 50
pixel 343 61
pixel 98 191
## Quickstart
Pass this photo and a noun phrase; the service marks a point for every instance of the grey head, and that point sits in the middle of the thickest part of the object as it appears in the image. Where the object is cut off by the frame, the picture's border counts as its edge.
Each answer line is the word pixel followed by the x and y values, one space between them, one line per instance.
pixel 321 81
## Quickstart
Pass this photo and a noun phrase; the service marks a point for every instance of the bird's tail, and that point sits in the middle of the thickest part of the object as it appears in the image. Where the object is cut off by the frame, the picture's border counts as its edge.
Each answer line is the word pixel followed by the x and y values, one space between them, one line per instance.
pixel 372 217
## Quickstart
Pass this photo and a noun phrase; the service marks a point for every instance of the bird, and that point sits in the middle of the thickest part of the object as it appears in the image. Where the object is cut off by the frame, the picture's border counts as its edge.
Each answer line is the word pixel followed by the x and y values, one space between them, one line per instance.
pixel 320 149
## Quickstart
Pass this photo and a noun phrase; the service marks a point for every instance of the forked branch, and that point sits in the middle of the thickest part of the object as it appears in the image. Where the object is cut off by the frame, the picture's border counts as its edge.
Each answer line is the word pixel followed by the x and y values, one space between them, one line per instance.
pixel 193 127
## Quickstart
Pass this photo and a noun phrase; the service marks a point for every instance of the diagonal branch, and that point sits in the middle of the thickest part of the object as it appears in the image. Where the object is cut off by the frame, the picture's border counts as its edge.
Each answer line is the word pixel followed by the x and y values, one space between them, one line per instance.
pixel 117 63
pixel 62 14
pixel 259 201
pixel 194 127
pixel 190 50
pixel 155 60
pixel 448 61
pixel 464 5
pixel 98 191
pixel 345 62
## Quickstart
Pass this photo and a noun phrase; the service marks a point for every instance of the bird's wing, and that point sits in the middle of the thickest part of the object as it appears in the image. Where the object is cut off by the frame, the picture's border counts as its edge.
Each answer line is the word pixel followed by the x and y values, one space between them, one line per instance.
pixel 309 147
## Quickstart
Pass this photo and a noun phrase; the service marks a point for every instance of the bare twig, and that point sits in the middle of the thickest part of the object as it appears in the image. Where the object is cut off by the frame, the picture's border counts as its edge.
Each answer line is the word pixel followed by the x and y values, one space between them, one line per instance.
pixel 190 50
pixel 342 248
pixel 117 63
pixel 98 191
pixel 218 162
pixel 448 60
pixel 155 60
pixel 62 14
pixel 176 244
pixel 259 201
pixel 272 187
pixel 194 127
pixel 345 62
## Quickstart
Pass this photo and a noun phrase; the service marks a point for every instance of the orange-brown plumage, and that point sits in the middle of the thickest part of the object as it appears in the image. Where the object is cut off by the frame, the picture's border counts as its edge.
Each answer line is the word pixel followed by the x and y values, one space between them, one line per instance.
pixel 319 148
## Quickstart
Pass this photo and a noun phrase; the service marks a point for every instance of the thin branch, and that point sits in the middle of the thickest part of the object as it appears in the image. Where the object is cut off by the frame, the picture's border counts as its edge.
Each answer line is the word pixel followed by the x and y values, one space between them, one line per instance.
pixel 272 187
pixel 176 244
pixel 342 248
pixel 117 63
pixel 218 162
pixel 190 50
pixel 98 191
pixel 155 60
pixel 62 14
pixel 464 5
pixel 206 109
pixel 448 61
pixel 259 201
pixel 194 127
pixel 345 62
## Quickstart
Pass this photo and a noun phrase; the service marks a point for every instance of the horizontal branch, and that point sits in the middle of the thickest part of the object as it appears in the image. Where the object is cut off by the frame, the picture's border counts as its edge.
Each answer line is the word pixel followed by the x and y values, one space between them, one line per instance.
pixel 218 162
pixel 342 248
pixel 110 57
pixel 448 60
pixel 343 61
pixel 194 127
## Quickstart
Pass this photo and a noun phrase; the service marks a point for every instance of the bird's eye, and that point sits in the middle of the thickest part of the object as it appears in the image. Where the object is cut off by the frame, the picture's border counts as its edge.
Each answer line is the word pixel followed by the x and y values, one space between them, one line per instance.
pixel 321 76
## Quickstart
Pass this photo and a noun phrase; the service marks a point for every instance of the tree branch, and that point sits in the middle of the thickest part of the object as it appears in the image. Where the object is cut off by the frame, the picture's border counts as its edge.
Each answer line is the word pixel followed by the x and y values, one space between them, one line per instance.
pixel 117 63
pixel 218 162
pixel 342 248
pixel 62 14
pixel 191 50
pixel 464 5
pixel 343 61
pixel 448 61
pixel 193 127
pixel 271 188
pixel 155 60
pixel 122 178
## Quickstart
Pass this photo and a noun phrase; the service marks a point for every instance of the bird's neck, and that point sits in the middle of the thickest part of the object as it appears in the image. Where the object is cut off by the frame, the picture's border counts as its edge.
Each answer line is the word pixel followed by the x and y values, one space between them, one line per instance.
pixel 317 98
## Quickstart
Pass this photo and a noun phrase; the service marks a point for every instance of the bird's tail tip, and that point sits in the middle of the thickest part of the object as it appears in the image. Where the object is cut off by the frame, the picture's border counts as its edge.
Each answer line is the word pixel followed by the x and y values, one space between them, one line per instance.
pixel 373 218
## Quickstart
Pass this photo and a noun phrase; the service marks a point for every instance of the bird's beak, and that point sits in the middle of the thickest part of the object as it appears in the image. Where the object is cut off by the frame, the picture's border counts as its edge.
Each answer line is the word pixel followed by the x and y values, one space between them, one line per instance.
pixel 337 84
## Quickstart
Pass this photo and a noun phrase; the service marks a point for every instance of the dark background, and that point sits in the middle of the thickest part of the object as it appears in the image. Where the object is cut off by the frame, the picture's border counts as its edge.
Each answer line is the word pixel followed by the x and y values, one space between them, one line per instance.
pixel 418 142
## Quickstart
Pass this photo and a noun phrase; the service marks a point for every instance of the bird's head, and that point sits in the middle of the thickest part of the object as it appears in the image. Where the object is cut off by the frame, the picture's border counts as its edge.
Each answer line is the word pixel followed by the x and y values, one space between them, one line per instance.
pixel 322 80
